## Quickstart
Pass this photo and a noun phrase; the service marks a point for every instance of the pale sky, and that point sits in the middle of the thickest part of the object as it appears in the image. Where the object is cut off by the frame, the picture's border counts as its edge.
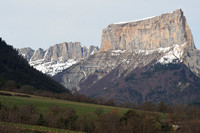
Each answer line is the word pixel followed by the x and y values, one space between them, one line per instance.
pixel 43 23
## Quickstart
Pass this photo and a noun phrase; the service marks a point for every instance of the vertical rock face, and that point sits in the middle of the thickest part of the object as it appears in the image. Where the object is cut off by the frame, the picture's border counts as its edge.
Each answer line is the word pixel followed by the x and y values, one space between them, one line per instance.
pixel 191 59
pixel 57 57
pixel 65 50
pixel 151 33
pixel 38 55
pixel 27 53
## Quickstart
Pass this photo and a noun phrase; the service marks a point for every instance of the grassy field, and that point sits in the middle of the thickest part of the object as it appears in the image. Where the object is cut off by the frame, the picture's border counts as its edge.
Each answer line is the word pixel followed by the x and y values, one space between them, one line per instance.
pixel 35 129
pixel 43 103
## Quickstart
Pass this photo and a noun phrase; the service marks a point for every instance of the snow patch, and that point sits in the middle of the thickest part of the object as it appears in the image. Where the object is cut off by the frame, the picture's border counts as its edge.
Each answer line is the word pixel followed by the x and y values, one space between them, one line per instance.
pixel 173 56
pixel 24 55
pixel 93 52
pixel 117 52
pixel 52 67
pixel 136 20
pixel 148 52
pixel 139 19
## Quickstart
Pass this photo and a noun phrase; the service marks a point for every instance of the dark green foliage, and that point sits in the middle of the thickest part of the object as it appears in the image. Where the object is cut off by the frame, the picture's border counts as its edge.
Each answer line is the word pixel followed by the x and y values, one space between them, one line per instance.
pixel 170 66
pixel 25 114
pixel 41 121
pixel 2 81
pixel 130 114
pixel 61 117
pixel 135 94
pixel 70 121
pixel 86 122
pixel 166 127
pixel 162 107
pixel 1 105
pixel 130 77
pixel 15 72
pixel 146 74
pixel 195 102
pixel 98 111
pixel 110 102
pixel 160 67
pixel 133 122
pixel 171 83
pixel 108 123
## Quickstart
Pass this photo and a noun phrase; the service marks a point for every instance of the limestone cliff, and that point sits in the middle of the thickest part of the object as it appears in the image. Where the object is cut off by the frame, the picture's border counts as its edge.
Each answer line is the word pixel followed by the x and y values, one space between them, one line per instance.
pixel 151 33
pixel 57 57
pixel 27 53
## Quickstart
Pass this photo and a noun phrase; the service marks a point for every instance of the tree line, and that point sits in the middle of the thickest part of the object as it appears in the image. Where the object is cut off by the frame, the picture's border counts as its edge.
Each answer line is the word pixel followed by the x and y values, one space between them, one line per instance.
pixel 175 119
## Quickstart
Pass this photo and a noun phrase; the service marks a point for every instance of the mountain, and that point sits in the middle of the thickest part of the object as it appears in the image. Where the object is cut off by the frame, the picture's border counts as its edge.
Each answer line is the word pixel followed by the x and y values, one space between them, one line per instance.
pixel 17 75
pixel 150 33
pixel 57 57
pixel 153 59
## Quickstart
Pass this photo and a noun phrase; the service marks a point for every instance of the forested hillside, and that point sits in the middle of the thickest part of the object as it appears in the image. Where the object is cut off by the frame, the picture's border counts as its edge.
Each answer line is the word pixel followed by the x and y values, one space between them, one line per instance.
pixel 17 75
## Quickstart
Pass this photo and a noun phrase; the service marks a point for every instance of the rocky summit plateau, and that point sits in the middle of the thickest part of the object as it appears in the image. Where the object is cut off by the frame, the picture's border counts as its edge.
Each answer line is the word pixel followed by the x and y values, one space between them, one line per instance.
pixel 147 34
pixel 57 57
pixel 152 59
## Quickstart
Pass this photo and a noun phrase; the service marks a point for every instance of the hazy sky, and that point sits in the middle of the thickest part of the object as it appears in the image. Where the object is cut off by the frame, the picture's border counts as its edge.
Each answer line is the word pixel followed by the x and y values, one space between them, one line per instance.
pixel 43 23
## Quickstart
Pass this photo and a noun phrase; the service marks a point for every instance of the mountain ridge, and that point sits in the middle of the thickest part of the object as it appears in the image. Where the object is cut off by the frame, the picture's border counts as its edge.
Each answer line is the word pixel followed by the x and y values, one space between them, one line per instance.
pixel 58 57
pixel 125 51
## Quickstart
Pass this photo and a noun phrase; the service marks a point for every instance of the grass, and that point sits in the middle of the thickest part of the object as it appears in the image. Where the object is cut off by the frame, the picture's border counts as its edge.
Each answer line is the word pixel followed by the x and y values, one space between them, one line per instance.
pixel 31 128
pixel 43 103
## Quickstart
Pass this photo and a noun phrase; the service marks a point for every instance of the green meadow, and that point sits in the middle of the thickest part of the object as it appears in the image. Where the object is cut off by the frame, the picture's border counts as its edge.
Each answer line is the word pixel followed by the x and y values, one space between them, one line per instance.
pixel 35 129
pixel 44 103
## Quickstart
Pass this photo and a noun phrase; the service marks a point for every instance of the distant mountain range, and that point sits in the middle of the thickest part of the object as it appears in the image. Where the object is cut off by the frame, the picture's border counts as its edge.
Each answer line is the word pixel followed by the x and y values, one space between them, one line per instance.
pixel 147 60
pixel 57 57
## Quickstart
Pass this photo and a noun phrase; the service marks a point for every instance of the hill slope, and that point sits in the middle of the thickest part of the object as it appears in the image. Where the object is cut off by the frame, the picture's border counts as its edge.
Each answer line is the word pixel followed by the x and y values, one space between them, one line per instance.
pixel 16 72
pixel 171 83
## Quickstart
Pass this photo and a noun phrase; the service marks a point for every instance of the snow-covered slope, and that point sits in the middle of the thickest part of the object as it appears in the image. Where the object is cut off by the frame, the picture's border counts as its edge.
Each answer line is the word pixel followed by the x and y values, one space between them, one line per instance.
pixel 104 62
pixel 52 67
pixel 57 57
pixel 173 56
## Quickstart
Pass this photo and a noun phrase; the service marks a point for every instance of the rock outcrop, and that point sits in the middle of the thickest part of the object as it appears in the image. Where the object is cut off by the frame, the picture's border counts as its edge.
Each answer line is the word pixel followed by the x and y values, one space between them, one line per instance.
pixel 38 55
pixel 27 53
pixel 151 33
pixel 191 58
pixel 57 57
